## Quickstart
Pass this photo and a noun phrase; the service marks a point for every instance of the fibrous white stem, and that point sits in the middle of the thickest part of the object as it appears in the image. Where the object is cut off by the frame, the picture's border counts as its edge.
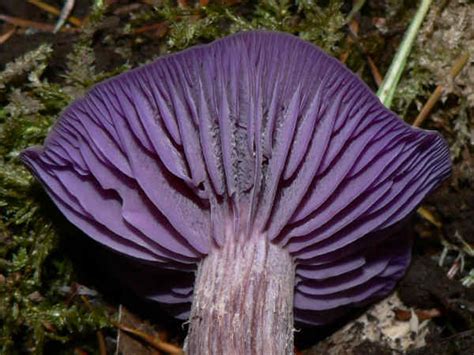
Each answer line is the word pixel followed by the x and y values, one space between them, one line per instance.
pixel 243 301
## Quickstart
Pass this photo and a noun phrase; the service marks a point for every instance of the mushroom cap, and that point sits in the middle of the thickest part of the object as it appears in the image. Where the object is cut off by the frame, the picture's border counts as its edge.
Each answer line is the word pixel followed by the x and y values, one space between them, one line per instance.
pixel 259 134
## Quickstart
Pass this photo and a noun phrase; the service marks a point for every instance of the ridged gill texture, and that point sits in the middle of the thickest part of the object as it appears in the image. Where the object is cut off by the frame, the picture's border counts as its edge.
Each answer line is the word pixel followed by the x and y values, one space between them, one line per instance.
pixel 257 134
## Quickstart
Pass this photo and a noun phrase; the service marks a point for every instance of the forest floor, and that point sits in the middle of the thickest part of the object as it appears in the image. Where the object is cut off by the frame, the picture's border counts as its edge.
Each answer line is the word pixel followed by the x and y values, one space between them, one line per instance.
pixel 432 311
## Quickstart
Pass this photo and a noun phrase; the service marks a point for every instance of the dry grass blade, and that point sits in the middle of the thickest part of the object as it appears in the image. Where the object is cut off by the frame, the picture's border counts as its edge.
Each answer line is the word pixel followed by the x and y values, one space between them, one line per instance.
pixel 126 9
pixel 433 99
pixel 422 314
pixel 353 37
pixel 159 29
pixel 356 6
pixel 65 12
pixel 375 71
pixel 152 341
pixel 17 21
pixel 5 36
pixel 100 336
pixel 55 11
pixel 426 214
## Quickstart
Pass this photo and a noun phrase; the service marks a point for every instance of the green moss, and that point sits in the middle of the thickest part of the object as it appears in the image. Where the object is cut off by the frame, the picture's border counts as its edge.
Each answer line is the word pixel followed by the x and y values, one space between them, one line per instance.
pixel 321 25
pixel 33 307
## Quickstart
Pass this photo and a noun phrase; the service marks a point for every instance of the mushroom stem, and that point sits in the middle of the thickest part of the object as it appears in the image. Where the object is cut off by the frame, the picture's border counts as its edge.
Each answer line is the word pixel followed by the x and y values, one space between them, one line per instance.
pixel 243 300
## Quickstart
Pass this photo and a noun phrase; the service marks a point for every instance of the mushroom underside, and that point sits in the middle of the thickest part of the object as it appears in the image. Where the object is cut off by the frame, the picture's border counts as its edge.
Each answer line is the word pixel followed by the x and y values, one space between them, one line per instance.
pixel 256 142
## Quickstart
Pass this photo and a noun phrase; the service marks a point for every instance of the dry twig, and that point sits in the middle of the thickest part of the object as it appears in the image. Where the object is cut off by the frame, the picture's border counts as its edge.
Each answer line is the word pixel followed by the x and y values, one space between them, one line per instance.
pixel 55 11
pixel 426 214
pixel 455 70
pixel 5 36
pixel 100 336
pixel 159 29
pixel 353 38
pixel 422 314
pixel 65 12
pixel 150 340
pixel 40 26
pixel 126 9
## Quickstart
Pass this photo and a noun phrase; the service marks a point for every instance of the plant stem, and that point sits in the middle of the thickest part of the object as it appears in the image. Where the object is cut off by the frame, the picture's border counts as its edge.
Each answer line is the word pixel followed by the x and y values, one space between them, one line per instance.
pixel 389 84
pixel 455 70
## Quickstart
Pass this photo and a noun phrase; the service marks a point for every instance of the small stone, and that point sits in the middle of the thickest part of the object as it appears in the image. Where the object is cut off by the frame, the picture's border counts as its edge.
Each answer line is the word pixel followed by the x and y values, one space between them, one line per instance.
pixel 35 297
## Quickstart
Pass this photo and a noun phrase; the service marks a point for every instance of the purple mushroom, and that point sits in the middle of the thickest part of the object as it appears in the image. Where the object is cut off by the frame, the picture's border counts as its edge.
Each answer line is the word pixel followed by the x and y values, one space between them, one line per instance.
pixel 261 164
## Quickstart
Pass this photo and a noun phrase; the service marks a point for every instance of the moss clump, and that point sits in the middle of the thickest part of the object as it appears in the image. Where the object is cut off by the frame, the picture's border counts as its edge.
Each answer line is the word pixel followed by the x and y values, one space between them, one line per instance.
pixel 33 275
pixel 322 25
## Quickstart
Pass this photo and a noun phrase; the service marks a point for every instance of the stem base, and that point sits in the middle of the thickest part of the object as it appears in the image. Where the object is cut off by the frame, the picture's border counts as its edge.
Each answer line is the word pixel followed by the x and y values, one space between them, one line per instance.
pixel 243 301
